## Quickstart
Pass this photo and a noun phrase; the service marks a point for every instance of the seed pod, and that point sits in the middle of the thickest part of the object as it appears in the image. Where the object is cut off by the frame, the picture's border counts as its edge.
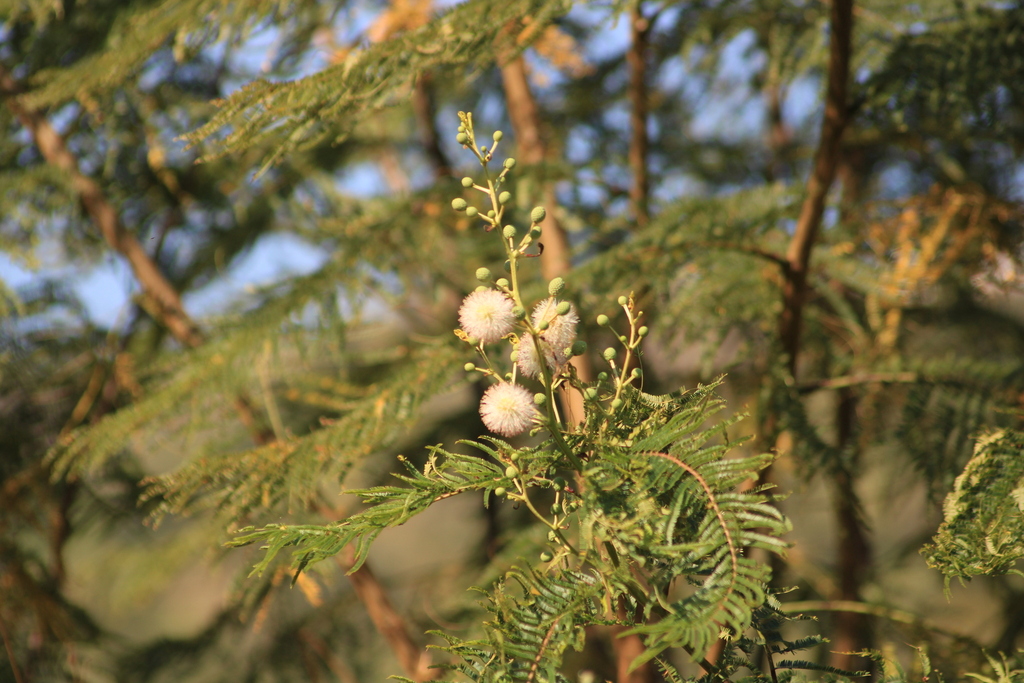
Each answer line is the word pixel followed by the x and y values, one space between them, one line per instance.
pixel 459 204
pixel 538 214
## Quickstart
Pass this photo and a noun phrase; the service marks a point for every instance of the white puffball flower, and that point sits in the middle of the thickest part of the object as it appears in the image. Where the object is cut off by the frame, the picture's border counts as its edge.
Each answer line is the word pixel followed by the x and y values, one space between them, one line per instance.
pixel 507 409
pixel 554 341
pixel 561 332
pixel 526 356
pixel 487 315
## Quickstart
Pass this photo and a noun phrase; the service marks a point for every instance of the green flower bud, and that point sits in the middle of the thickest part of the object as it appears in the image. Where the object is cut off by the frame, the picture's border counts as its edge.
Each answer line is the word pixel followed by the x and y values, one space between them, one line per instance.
pixel 578 348
pixel 510 163
pixel 563 307
pixel 501 282
pixel 514 457
pixel 559 483
pixel 590 393
pixel 471 211
pixel 511 471
pixel 504 197
pixel 616 403
pixel 462 128
pixel 602 377
pixel 518 312
pixel 467 182
pixel 602 320
pixel 556 509
pixel 543 325
pixel 459 204
pixel 473 341
pixel 509 231
pixel 622 338
pixel 514 356
pixel 552 536
pixel 538 214
pixel 469 367
pixel 643 331
pixel 481 288
pixel 535 233
pixel 461 138
pixel 483 274
pixel 545 557
pixel 636 372
pixel 498 135
pixel 540 399
pixel 508 266
pixel 556 286
pixel 623 300
pixel 500 491
pixel 609 353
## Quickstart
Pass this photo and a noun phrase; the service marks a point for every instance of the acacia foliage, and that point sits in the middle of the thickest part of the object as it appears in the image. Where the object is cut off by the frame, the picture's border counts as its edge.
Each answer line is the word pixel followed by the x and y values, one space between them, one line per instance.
pixel 899 314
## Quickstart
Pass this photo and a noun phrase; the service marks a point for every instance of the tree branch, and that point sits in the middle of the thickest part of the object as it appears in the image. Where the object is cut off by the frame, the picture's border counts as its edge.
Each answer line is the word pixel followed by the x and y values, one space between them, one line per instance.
pixel 389 623
pixel 825 161
pixel 165 302
pixel 636 58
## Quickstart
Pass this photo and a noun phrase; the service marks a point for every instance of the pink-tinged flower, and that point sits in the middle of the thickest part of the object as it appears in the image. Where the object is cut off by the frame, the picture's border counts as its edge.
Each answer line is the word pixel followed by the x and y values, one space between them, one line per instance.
pixel 561 332
pixel 526 356
pixel 507 409
pixel 487 315
pixel 554 341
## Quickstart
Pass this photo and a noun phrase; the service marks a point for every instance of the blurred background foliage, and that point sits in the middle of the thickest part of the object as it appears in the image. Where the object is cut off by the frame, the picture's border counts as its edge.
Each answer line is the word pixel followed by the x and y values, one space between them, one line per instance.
pixel 187 348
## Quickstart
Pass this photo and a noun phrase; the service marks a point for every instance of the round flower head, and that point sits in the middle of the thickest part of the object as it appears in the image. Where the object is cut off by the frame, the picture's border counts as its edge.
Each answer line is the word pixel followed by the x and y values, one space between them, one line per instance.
pixel 561 332
pixel 526 356
pixel 507 409
pixel 487 315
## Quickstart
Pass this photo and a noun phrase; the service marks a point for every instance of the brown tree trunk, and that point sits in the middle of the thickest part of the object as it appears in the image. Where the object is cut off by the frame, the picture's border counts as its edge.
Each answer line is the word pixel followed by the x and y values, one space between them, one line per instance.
pixel 636 58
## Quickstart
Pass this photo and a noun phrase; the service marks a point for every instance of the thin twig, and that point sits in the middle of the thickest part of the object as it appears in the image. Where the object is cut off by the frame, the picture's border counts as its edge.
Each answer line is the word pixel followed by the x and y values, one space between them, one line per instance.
pixel 10 651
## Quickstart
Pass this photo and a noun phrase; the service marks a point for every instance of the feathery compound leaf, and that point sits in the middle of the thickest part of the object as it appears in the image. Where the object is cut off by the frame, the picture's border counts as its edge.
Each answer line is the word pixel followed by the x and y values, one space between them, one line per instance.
pixel 445 475
pixel 292 470
pixel 327 104
pixel 983 529
pixel 529 634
